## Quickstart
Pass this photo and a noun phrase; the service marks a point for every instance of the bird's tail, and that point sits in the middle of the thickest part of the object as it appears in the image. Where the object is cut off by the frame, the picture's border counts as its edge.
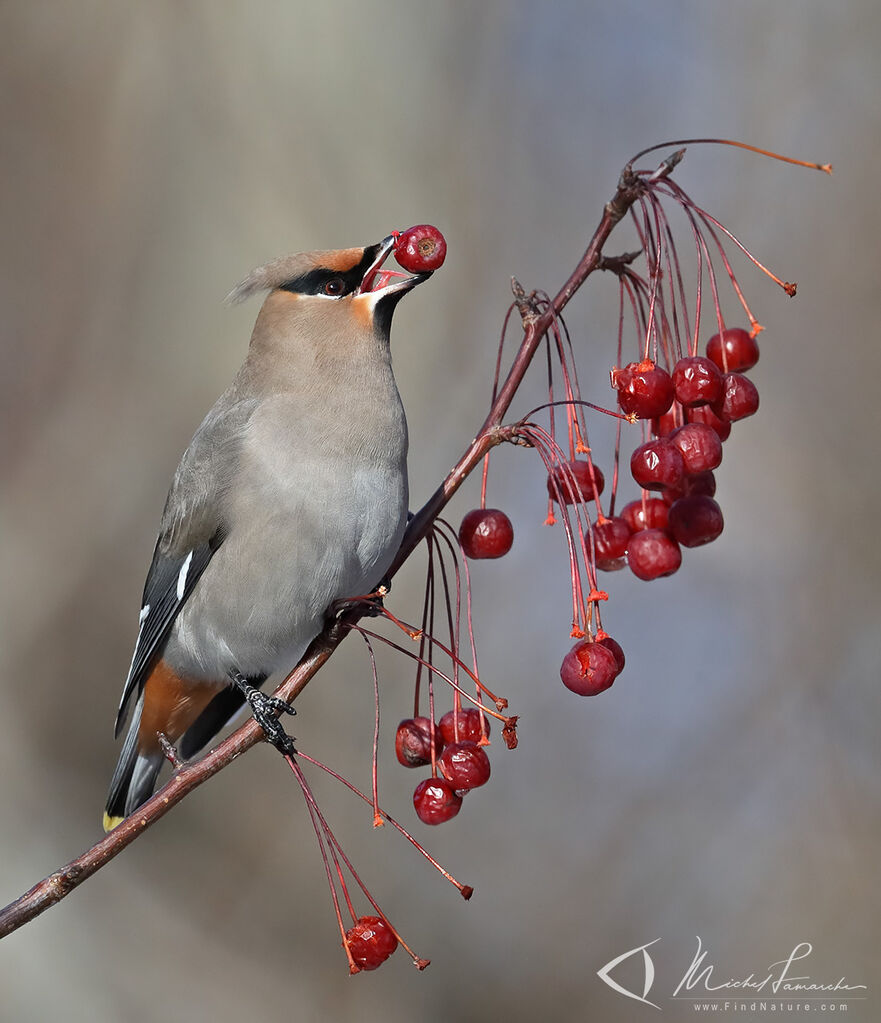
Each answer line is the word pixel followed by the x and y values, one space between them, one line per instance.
pixel 135 776
pixel 136 772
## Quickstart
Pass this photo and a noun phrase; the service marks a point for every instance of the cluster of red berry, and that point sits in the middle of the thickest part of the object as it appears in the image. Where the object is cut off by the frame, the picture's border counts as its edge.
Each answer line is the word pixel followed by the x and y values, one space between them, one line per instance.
pixel 454 748
pixel 691 413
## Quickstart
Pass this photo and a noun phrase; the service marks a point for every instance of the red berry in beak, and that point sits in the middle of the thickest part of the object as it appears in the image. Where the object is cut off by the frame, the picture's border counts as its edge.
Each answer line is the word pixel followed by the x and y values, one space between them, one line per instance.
pixel 421 248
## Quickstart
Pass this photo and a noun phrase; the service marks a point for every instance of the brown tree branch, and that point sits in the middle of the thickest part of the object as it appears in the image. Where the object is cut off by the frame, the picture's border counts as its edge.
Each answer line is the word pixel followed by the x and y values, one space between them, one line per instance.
pixel 56 886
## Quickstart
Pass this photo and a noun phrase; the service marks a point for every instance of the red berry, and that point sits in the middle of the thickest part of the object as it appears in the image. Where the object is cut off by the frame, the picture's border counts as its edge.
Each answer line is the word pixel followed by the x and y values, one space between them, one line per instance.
pixel 699 446
pixel 469 726
pixel 560 479
pixel 644 389
pixel 421 248
pixel 413 742
pixel 436 801
pixel 740 398
pixel 588 668
pixel 703 483
pixel 371 941
pixel 695 520
pixel 740 351
pixel 696 381
pixel 706 415
pixel 486 533
pixel 464 765
pixel 664 425
pixel 651 515
pixel 610 543
pixel 652 554
pixel 615 647
pixel 657 464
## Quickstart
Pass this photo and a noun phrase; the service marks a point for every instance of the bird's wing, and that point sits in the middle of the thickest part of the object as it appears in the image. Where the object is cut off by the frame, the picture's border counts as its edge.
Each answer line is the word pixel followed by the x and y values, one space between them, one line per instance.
pixel 191 531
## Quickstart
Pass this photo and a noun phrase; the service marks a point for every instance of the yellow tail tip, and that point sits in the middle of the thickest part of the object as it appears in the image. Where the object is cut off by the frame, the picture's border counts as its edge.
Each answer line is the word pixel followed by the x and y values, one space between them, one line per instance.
pixel 111 822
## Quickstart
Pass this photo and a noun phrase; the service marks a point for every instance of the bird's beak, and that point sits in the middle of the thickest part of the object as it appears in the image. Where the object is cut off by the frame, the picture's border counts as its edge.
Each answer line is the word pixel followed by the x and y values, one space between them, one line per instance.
pixel 388 282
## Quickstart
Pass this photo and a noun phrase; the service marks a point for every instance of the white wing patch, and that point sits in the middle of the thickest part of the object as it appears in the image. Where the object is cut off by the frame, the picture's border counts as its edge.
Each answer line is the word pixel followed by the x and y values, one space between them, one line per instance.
pixel 182 577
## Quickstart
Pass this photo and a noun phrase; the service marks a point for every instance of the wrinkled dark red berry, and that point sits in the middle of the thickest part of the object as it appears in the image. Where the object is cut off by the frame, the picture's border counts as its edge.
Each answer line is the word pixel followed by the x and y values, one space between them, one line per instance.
pixel 615 647
pixel 413 742
pixel 588 668
pixel 610 543
pixel 561 478
pixel 644 389
pixel 695 520
pixel 706 415
pixel 421 248
pixel 652 554
pixel 740 398
pixel 464 765
pixel 699 445
pixel 469 726
pixel 657 464
pixel 703 483
pixel 741 350
pixel 371 941
pixel 486 533
pixel 436 801
pixel 651 514
pixel 696 381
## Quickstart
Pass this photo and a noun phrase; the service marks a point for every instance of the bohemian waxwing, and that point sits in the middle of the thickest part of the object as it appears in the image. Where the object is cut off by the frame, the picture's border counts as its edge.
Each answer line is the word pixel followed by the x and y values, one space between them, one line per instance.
pixel 291 495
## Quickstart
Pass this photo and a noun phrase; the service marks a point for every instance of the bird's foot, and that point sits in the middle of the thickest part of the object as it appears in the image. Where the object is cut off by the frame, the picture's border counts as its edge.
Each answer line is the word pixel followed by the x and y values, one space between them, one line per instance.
pixel 266 710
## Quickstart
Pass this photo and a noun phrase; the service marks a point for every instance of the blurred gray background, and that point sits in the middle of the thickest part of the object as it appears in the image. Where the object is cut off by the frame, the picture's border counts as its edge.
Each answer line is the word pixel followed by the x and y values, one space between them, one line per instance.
pixel 727 786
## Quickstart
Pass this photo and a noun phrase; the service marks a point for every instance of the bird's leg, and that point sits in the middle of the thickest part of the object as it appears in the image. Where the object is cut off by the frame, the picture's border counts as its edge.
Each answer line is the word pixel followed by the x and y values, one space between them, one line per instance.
pixel 265 710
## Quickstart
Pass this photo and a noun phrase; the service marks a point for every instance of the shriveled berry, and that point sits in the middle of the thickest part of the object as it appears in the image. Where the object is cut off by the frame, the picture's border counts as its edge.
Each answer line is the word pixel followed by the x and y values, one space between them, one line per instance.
pixel 652 554
pixel 657 464
pixel 644 389
pixel 436 801
pixel 740 398
pixel 468 726
pixel 588 668
pixel 413 742
pixel 705 414
pixel 735 351
pixel 703 483
pixel 565 481
pixel 610 543
pixel 421 248
pixel 696 381
pixel 699 445
pixel 486 533
pixel 464 765
pixel 648 514
pixel 695 520
pixel 371 941
pixel 616 648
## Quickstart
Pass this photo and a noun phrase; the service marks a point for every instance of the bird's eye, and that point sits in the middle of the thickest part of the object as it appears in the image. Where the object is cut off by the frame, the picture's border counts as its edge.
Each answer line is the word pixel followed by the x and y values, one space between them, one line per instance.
pixel 336 286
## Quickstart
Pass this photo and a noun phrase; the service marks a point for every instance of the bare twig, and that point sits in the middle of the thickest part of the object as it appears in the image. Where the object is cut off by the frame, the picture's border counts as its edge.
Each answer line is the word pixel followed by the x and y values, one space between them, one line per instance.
pixel 187 777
